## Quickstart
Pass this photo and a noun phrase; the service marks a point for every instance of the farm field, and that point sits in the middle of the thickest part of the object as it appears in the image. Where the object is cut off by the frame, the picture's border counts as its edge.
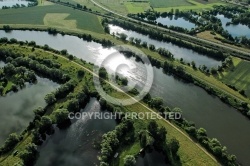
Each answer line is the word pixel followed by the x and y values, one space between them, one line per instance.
pixel 194 5
pixel 239 75
pixel 169 3
pixel 135 7
pixel 125 7
pixel 52 15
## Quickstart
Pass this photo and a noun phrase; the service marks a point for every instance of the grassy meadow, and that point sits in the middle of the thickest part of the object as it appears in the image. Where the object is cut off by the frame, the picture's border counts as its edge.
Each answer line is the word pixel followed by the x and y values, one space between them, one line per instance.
pixel 52 16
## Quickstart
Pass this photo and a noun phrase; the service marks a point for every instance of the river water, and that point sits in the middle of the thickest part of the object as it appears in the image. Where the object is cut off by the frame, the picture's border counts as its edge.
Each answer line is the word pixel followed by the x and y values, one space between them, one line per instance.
pixel 178 52
pixel 17 108
pixel 220 120
pixel 10 3
pixel 74 145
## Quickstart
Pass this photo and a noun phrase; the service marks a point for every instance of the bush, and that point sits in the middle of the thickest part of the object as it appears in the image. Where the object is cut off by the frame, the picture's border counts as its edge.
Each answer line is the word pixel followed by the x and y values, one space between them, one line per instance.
pixel 129 160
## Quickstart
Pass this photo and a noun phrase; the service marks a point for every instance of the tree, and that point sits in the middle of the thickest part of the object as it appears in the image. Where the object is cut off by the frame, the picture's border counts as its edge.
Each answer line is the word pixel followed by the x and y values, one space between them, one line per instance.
pixel 151 47
pixel 31 76
pixel 193 65
pixel 64 52
pixel 39 111
pixel 80 73
pixel 123 36
pixel 143 139
pixel 152 128
pixel 161 136
pixel 1 90
pixel 6 28
pixel 50 98
pixel 10 143
pixel 174 146
pixel 73 105
pixel 242 91
pixel 156 102
pixel 137 41
pixel 14 88
pixel 45 125
pixel 129 160
pixel 144 44
pixel 131 39
pixel 213 71
pixel 29 155
pixel 103 73
pixel 61 116
pixel 9 69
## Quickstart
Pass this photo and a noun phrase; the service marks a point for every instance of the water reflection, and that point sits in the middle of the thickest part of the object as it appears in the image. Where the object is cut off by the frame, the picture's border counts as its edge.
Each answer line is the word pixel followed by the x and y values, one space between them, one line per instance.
pixel 153 158
pixel 178 52
pixel 235 30
pixel 17 108
pixel 176 21
pixel 10 3
pixel 74 145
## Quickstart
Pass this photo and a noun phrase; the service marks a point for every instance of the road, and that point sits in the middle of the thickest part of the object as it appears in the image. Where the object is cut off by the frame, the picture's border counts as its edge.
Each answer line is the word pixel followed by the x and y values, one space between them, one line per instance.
pixel 181 34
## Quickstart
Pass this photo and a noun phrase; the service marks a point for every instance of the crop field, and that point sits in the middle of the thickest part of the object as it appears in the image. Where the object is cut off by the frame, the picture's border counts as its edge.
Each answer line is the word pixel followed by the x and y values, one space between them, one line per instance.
pixel 136 7
pixel 169 3
pixel 125 6
pixel 52 15
pixel 192 5
pixel 239 76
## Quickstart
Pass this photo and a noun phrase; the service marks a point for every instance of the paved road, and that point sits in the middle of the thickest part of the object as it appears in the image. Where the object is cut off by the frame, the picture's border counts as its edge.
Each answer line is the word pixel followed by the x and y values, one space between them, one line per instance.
pixel 182 34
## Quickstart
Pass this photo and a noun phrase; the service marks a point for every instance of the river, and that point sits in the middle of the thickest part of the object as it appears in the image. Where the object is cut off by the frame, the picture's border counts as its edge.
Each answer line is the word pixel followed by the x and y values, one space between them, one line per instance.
pixel 220 120
pixel 178 52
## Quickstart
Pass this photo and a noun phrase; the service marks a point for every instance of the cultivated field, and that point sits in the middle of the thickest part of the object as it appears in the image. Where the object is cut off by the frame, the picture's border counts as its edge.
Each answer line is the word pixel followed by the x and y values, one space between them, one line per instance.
pixel 52 15
pixel 193 5
pixel 239 75
pixel 169 3
pixel 135 7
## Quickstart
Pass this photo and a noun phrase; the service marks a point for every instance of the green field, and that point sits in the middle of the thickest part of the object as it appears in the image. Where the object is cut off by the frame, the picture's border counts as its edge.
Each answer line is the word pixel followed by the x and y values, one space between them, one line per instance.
pixel 52 16
pixel 195 6
pixel 169 3
pixel 135 7
pixel 126 6
pixel 239 76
